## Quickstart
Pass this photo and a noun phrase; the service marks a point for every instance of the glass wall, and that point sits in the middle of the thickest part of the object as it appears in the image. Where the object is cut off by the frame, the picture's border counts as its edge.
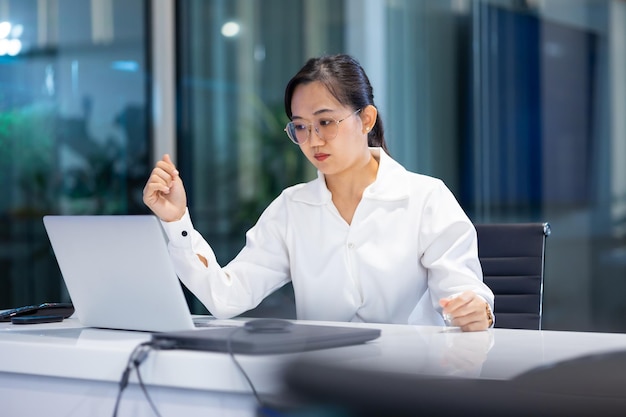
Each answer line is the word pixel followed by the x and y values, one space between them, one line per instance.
pixel 548 144
pixel 73 127
pixel 515 104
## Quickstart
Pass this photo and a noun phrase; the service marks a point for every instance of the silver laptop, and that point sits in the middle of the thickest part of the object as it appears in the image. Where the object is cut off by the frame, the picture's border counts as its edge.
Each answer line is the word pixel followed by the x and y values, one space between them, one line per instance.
pixel 119 276
pixel 118 272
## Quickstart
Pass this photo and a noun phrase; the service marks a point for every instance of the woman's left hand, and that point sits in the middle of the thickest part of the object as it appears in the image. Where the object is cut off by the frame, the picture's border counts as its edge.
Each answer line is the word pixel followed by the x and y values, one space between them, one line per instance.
pixel 468 311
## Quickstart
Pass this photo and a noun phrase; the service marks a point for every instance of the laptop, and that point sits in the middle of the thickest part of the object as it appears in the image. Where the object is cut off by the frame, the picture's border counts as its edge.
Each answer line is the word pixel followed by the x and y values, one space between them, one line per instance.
pixel 118 272
pixel 251 339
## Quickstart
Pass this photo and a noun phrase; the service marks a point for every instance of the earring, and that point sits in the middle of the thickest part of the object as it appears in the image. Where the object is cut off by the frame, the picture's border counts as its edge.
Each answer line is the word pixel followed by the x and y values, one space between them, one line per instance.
pixel 367 129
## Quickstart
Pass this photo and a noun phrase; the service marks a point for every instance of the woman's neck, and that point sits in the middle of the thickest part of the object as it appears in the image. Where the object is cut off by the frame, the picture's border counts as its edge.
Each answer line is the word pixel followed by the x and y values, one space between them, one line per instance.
pixel 347 188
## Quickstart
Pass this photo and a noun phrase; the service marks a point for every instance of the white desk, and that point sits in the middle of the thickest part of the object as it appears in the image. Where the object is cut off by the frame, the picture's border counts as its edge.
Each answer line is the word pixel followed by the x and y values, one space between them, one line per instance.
pixel 62 369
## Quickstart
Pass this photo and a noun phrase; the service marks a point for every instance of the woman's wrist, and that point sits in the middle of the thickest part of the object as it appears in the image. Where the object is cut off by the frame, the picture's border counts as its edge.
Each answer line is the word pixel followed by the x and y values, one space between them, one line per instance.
pixel 489 315
pixel 175 218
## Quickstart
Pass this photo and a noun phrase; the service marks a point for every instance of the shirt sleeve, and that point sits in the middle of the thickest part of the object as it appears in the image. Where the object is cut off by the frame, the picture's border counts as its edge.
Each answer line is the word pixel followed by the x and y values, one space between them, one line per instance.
pixel 449 248
pixel 243 283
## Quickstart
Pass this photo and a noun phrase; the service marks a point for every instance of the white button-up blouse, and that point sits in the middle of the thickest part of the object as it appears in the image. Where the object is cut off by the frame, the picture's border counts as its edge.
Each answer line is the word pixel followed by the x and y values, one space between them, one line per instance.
pixel 409 244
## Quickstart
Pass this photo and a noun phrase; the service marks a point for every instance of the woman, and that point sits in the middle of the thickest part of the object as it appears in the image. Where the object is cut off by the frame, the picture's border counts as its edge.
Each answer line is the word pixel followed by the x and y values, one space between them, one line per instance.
pixel 366 241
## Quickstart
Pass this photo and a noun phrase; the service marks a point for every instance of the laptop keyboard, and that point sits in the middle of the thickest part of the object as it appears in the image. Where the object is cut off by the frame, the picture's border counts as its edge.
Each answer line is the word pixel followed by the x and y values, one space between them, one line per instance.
pixel 209 322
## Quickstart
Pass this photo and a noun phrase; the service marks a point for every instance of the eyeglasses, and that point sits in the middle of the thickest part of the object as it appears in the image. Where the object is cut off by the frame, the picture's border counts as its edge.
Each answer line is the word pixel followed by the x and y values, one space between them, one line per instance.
pixel 325 128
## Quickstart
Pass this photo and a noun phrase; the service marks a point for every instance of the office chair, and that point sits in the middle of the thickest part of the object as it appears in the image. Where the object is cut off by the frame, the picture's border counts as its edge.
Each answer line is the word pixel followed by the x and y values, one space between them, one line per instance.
pixel 512 257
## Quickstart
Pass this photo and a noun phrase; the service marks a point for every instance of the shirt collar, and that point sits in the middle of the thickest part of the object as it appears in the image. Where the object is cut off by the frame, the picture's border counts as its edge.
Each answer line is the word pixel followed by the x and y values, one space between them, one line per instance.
pixel 391 183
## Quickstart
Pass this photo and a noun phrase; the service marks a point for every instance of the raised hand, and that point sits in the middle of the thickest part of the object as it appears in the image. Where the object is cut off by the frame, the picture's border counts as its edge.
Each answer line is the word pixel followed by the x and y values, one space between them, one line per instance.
pixel 164 192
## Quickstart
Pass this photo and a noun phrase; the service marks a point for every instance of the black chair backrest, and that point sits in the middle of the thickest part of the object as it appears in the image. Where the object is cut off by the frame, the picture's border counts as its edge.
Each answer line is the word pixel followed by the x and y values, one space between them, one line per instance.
pixel 512 257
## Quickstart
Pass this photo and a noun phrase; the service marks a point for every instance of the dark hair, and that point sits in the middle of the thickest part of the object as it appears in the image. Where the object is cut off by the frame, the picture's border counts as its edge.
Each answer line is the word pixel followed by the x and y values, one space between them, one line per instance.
pixel 346 80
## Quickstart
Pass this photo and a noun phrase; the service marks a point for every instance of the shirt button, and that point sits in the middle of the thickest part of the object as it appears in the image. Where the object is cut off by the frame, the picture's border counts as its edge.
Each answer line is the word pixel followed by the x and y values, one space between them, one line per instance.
pixel 350 245
pixel 184 233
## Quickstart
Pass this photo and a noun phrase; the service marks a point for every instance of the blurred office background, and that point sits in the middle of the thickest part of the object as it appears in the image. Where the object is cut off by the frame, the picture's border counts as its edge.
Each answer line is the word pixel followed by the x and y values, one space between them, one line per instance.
pixel 518 105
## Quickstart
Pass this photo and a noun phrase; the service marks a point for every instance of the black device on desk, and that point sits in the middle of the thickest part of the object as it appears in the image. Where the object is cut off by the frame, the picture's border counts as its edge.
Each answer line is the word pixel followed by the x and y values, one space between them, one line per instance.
pixel 38 313
pixel 266 336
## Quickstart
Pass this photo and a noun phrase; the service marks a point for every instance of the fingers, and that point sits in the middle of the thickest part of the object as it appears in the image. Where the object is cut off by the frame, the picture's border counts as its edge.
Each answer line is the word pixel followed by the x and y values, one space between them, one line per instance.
pixel 163 176
pixel 153 189
pixel 158 182
pixel 467 311
pixel 167 166
pixel 164 193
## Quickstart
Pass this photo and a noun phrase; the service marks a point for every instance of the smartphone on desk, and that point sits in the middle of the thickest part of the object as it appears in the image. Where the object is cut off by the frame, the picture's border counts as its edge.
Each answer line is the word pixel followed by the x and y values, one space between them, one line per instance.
pixel 49 310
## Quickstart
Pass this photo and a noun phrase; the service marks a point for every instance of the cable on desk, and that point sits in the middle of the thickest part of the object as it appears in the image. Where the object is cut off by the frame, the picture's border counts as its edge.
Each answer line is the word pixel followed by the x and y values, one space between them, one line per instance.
pixel 238 365
pixel 266 408
pixel 136 358
pixel 141 352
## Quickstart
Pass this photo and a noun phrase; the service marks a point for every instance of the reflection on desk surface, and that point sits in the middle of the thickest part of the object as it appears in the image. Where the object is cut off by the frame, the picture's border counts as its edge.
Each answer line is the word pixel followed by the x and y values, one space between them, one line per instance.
pixel 417 350
pixel 73 336
pixel 494 354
